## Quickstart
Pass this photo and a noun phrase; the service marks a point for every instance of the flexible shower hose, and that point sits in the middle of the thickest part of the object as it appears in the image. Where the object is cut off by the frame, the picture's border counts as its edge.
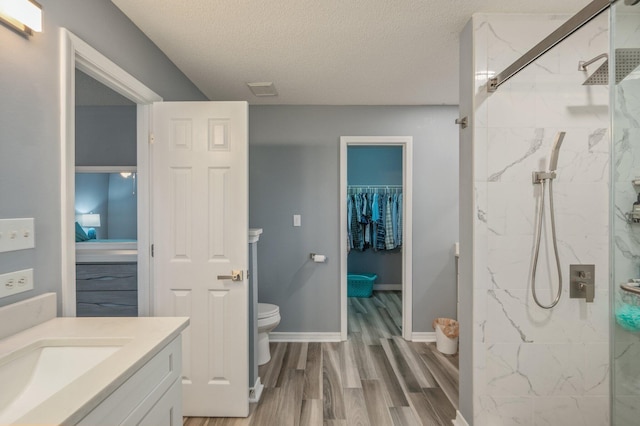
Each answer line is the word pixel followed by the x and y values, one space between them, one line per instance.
pixel 537 246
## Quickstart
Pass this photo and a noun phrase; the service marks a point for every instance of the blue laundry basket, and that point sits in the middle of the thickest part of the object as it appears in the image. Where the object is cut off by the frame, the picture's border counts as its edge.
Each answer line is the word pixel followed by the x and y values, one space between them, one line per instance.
pixel 360 285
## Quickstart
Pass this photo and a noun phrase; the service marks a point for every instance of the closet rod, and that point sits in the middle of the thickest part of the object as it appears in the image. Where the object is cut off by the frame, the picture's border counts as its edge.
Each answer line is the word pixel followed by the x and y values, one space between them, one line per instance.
pixel 366 188
pixel 374 186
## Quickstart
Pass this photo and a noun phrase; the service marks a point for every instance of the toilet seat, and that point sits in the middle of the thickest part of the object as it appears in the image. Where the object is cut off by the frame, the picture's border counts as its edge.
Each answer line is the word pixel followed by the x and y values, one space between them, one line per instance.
pixel 267 310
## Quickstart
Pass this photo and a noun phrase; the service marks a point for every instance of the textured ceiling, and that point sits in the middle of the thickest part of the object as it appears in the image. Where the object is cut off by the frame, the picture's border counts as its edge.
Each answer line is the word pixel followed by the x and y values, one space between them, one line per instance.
pixel 321 52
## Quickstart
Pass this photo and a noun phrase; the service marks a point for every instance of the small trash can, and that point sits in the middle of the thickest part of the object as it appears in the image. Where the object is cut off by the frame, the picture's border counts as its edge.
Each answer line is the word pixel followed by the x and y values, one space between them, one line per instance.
pixel 447 331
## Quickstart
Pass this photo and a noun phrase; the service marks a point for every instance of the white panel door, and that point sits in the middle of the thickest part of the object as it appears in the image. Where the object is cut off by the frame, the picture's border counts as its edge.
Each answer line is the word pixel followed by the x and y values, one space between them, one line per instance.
pixel 200 223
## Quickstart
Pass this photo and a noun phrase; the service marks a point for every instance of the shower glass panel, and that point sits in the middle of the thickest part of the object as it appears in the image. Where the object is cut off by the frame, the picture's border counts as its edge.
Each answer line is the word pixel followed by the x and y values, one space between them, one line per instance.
pixel 625 213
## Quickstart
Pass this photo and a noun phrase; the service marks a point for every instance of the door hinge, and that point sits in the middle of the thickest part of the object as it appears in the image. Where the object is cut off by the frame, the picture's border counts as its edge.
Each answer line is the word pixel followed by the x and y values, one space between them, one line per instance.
pixel 152 250
pixel 152 138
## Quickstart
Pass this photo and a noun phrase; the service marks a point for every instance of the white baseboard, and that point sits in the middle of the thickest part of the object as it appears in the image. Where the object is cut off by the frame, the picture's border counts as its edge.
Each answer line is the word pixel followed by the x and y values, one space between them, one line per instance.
pixel 280 336
pixel 426 336
pixel 387 287
pixel 459 420
pixel 256 391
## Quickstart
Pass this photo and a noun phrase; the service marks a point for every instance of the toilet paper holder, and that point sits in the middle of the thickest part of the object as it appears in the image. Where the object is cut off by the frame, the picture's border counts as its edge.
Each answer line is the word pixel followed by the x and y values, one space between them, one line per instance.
pixel 318 258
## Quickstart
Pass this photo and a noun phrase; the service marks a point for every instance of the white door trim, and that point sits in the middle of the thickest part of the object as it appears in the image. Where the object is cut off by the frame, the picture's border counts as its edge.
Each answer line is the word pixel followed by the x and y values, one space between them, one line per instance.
pixel 75 53
pixel 406 142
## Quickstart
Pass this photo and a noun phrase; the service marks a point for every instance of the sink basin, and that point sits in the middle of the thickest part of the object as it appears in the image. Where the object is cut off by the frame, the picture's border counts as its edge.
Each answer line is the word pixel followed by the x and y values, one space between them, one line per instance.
pixel 34 373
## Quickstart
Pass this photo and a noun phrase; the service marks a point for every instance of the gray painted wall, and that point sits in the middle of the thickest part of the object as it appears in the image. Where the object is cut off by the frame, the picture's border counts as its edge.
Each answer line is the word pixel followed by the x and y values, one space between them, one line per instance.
pixel 92 196
pixel 294 169
pixel 374 165
pixel 30 118
pixel 114 198
pixel 106 136
pixel 123 207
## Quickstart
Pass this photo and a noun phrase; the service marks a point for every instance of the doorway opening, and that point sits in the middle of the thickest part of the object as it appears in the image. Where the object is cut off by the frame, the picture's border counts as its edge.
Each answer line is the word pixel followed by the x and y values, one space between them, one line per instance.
pixel 105 201
pixel 386 255
pixel 77 55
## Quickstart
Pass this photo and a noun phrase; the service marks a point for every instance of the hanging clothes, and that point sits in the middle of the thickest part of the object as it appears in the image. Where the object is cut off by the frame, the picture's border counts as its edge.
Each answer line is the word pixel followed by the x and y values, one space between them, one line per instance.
pixel 375 216
pixel 365 220
pixel 356 237
pixel 350 208
pixel 380 228
pixel 394 218
pixel 400 212
pixel 374 219
pixel 389 242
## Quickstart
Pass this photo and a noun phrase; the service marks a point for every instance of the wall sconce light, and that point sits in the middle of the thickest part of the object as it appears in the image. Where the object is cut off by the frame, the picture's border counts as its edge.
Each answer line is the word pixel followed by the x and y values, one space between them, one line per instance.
pixel 91 221
pixel 22 15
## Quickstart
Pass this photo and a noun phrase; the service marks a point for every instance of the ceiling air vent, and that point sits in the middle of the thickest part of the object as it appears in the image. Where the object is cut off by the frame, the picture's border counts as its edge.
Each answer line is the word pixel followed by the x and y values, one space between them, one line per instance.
pixel 263 89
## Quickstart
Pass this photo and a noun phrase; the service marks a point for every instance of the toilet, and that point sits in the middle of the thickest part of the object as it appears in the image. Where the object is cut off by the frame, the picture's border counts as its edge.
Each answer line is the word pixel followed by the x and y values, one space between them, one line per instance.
pixel 268 319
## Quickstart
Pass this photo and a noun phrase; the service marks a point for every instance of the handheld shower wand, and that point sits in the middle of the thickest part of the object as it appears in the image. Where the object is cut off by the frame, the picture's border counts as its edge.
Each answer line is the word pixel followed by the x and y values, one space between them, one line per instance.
pixel 555 151
pixel 542 178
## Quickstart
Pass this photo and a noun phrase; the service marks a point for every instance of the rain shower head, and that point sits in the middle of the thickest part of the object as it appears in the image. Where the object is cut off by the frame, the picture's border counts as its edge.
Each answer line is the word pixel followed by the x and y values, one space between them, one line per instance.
pixel 627 60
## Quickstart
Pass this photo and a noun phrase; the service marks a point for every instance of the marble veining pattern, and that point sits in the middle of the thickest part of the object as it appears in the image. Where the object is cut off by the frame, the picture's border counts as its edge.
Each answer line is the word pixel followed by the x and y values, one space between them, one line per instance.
pixel 535 366
pixel 535 145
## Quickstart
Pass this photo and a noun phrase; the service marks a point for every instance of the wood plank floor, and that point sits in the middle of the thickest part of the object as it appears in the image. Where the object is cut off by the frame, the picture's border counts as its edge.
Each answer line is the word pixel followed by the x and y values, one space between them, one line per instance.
pixel 374 378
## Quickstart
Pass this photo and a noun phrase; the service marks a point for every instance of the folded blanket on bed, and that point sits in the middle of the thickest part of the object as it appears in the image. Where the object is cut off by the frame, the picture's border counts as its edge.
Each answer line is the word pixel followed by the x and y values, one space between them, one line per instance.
pixel 80 234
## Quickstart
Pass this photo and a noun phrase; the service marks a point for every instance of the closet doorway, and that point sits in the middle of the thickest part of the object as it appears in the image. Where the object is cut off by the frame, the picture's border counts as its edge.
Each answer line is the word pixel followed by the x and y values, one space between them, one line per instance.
pixel 391 259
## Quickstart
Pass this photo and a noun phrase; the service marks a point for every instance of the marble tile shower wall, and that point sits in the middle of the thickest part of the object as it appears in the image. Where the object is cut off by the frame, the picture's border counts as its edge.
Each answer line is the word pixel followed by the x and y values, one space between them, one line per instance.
pixel 534 366
pixel 626 140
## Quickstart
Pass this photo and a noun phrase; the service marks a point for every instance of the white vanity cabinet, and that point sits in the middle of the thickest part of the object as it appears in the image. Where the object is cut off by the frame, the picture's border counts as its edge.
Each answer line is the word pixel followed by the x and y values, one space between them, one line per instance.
pixel 138 382
pixel 151 396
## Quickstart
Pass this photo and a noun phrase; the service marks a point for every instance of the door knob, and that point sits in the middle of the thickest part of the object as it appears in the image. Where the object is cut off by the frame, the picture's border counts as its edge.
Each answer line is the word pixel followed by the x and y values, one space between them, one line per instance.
pixel 236 275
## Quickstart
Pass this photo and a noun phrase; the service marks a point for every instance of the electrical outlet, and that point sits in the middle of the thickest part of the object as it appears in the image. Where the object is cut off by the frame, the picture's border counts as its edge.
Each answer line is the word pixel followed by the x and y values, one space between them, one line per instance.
pixel 16 234
pixel 16 282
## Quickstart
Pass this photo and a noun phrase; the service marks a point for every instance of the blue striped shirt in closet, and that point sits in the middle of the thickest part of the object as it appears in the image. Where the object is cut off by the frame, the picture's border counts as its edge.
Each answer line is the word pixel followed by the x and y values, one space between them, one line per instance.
pixel 388 239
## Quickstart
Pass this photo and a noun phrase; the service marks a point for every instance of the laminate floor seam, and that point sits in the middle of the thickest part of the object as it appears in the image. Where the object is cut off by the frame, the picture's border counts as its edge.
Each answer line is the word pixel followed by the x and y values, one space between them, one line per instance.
pixel 374 378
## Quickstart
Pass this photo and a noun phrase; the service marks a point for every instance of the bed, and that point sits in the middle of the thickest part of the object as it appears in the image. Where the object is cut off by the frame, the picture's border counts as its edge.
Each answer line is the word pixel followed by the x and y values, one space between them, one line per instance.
pixel 107 251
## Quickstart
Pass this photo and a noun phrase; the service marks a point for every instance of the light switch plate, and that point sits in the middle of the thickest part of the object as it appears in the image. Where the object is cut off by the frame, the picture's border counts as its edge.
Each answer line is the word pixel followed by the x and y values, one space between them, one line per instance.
pixel 16 282
pixel 16 234
pixel 297 220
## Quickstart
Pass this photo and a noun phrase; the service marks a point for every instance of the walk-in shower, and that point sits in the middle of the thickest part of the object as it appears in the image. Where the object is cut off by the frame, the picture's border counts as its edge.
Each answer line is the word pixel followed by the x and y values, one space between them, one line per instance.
pixel 545 178
pixel 573 364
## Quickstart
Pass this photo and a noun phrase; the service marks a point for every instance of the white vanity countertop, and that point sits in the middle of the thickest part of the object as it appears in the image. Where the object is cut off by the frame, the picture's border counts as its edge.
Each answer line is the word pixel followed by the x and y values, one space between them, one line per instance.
pixel 144 338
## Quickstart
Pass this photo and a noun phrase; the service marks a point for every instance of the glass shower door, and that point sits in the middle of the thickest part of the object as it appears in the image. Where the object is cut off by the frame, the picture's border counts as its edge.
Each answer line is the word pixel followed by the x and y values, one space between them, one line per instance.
pixel 624 73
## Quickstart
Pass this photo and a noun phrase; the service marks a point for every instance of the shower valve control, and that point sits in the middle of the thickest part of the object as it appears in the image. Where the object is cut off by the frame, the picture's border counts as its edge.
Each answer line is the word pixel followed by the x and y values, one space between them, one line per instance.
pixel 539 177
pixel 582 279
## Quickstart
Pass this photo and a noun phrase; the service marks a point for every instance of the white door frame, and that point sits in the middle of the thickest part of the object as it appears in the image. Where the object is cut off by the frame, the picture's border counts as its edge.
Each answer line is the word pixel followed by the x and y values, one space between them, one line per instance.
pixel 406 142
pixel 77 54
